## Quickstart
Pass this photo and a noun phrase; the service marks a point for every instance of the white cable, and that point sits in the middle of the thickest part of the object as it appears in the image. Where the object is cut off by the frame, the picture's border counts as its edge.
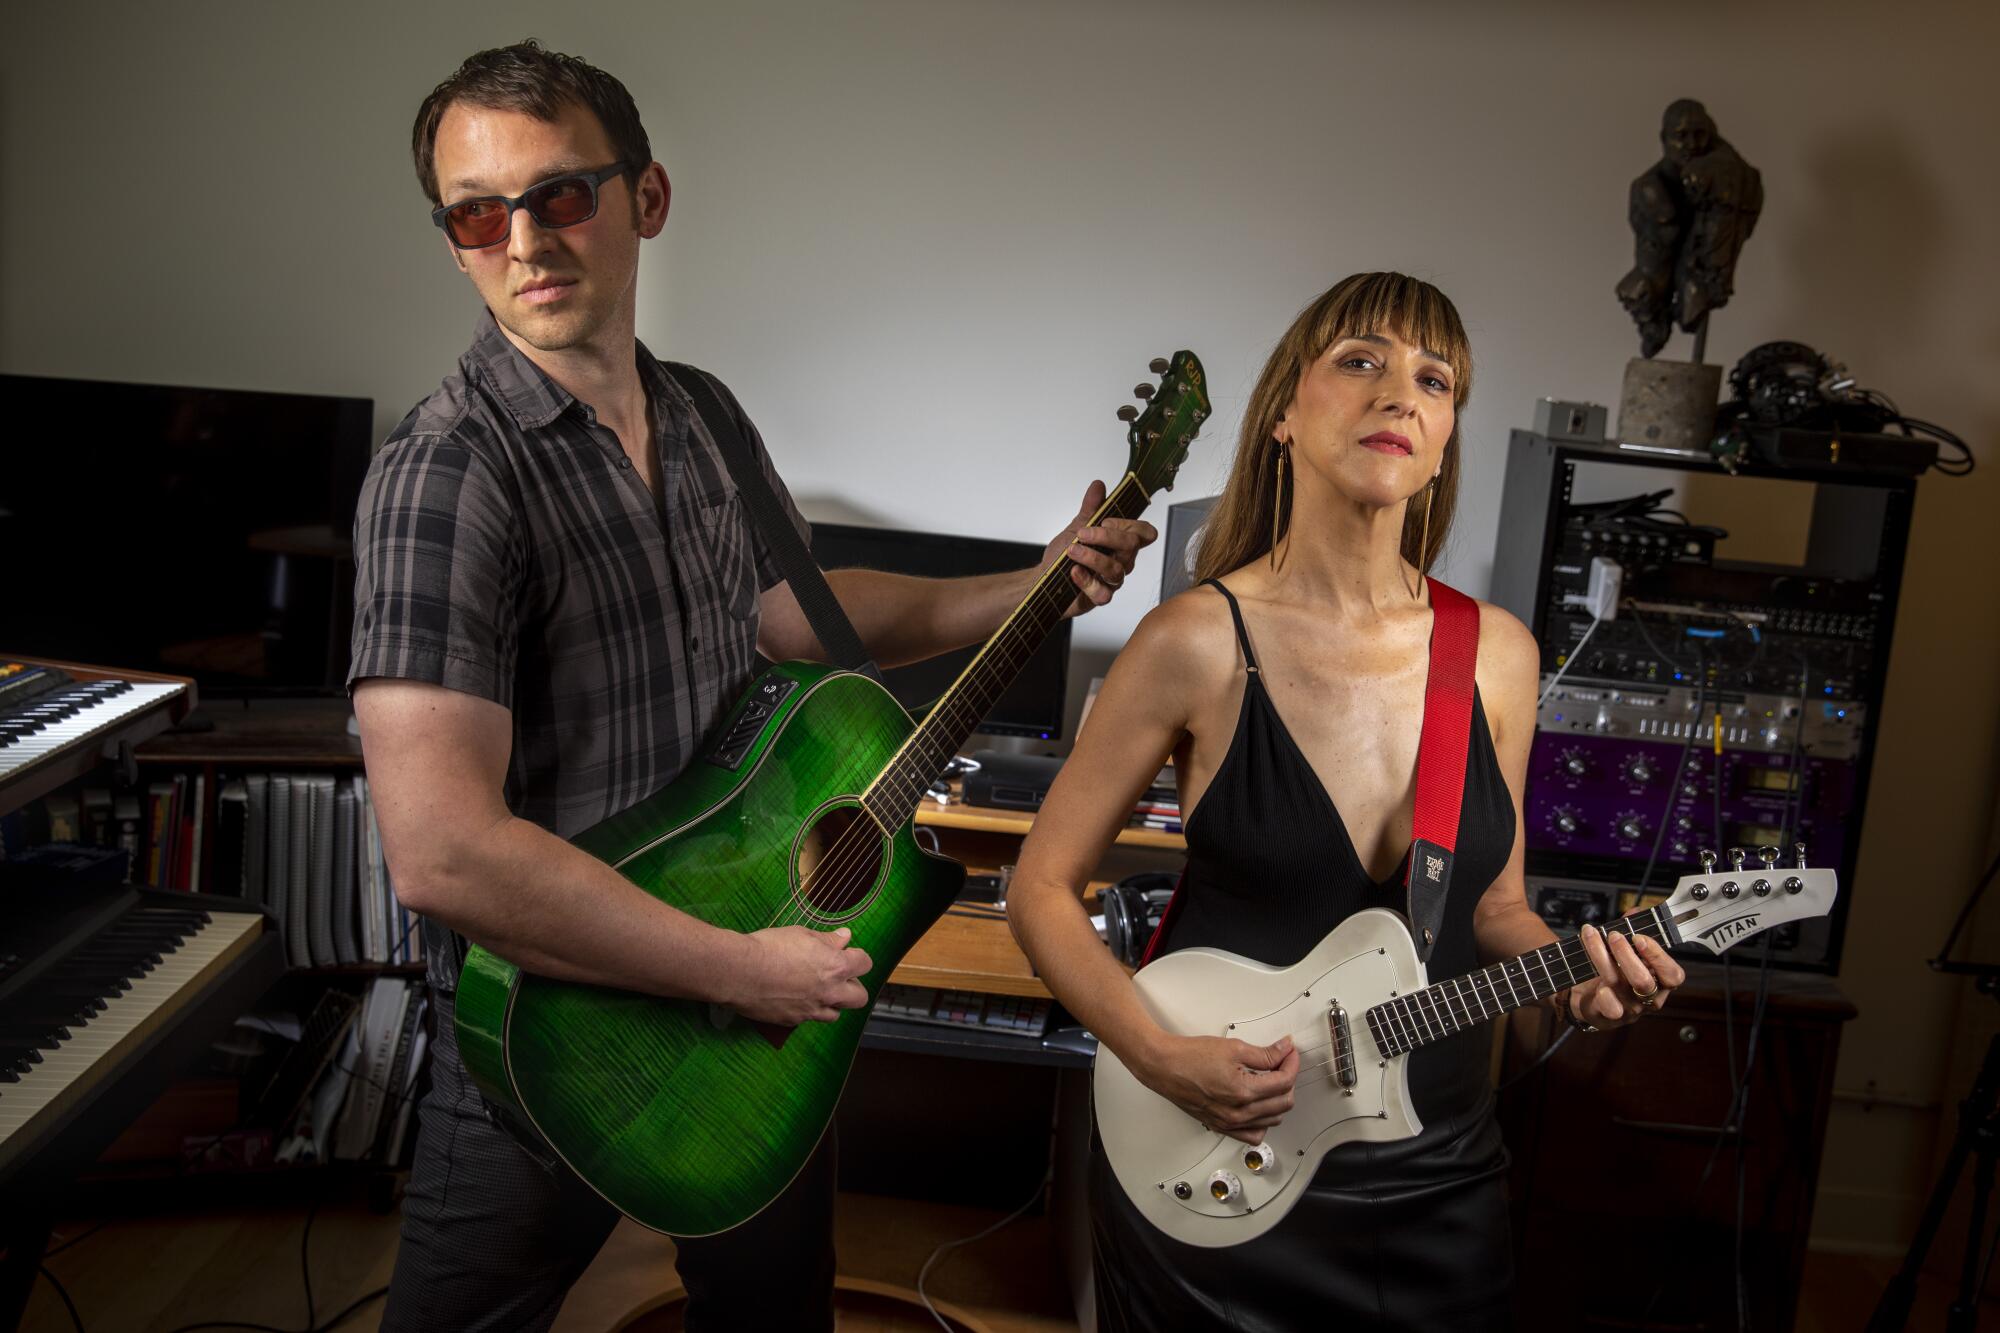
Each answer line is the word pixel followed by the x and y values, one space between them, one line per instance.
pixel 1569 661
pixel 924 1272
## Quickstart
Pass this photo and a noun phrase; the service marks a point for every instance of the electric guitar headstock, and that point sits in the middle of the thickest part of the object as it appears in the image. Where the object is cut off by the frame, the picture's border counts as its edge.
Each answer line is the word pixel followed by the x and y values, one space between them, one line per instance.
pixel 1720 906
pixel 1174 412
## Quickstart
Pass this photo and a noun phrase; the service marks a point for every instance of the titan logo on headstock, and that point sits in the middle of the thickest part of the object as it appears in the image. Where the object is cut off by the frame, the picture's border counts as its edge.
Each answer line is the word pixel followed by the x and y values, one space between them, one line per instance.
pixel 1726 932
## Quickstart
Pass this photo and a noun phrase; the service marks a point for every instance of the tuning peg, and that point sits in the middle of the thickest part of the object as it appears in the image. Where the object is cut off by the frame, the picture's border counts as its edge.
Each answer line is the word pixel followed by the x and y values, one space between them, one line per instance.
pixel 1798 856
pixel 1158 365
pixel 1707 859
pixel 1142 391
pixel 1768 855
pixel 1128 413
pixel 1736 858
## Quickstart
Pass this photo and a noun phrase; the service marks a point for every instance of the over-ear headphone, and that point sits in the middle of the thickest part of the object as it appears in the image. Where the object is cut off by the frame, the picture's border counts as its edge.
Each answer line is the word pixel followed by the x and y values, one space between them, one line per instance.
pixel 1132 910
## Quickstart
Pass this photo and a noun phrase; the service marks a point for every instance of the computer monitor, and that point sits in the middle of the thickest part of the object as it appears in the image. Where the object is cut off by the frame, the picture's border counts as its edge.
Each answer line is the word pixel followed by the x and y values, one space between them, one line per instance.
pixel 1182 544
pixel 199 532
pixel 1033 705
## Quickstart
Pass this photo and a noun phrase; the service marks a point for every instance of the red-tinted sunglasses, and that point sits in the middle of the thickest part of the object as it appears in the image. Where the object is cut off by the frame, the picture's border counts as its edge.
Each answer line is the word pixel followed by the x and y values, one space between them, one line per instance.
pixel 474 224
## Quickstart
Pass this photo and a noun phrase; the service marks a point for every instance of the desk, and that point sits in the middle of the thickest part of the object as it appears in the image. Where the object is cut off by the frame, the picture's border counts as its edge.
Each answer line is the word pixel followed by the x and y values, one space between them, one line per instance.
pixel 969 953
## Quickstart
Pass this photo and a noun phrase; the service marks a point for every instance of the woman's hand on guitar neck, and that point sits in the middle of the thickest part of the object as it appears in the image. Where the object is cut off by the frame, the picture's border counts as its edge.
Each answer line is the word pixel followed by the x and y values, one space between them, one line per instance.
pixel 1634 978
pixel 796 974
pixel 1228 1086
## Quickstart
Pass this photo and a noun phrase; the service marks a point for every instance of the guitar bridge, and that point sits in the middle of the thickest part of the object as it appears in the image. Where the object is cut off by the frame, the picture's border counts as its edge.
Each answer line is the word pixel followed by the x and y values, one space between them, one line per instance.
pixel 1343 1045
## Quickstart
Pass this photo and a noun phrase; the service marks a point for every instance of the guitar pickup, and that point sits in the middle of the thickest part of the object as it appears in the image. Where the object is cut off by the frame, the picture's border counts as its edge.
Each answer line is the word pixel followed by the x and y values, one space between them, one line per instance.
pixel 1343 1045
pixel 742 732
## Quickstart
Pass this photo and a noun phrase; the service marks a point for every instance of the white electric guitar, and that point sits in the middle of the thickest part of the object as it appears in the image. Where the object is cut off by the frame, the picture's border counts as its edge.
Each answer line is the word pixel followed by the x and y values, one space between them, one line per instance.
pixel 1355 1007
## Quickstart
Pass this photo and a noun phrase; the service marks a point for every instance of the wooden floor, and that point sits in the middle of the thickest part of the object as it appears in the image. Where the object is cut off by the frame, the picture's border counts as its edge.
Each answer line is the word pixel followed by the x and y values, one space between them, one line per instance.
pixel 153 1274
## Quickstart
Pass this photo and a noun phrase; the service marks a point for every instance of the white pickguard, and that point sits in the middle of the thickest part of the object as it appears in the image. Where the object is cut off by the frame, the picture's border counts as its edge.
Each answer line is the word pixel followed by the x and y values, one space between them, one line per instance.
pixel 1154 1147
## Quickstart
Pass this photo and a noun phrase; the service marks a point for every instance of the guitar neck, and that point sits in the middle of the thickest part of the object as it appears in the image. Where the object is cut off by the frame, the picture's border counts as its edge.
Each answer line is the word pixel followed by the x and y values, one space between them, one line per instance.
pixel 1435 1012
pixel 893 797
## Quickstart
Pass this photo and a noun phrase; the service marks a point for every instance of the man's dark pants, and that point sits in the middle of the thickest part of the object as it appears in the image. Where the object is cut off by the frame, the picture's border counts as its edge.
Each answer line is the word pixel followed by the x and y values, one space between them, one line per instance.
pixel 493 1240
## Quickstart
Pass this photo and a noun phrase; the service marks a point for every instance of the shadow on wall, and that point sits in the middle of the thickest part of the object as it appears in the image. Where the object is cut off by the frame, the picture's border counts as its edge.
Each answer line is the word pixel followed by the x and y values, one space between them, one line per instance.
pixel 1864 253
pixel 822 508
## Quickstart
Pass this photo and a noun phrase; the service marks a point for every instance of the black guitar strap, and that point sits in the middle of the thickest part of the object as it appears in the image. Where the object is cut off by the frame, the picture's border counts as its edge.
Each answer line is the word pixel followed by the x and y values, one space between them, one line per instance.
pixel 823 613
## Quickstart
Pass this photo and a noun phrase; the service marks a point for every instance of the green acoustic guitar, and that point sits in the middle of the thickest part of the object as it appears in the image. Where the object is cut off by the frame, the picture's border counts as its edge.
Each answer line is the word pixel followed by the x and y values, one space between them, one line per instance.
pixel 685 1118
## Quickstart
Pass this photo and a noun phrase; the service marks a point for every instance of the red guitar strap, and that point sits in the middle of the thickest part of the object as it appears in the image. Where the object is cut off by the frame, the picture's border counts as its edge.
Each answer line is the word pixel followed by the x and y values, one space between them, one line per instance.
pixel 1441 758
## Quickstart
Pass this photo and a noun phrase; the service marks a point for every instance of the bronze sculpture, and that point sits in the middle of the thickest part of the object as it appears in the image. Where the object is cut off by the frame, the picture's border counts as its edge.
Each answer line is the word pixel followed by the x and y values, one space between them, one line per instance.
pixel 1690 214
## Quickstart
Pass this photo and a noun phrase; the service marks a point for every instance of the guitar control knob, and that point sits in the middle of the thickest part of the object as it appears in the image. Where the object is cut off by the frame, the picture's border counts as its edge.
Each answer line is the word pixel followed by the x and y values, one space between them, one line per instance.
pixel 1128 413
pixel 1632 828
pixel 1259 1159
pixel 1158 365
pixel 1225 1187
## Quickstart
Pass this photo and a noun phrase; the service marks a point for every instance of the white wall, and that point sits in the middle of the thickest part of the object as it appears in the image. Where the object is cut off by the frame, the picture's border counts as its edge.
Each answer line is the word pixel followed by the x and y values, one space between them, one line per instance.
pixel 932 245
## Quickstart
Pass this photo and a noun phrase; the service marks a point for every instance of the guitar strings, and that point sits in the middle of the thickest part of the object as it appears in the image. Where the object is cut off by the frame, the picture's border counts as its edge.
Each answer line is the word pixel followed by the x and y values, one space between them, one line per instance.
pixel 1441 1001
pixel 1568 953
pixel 851 851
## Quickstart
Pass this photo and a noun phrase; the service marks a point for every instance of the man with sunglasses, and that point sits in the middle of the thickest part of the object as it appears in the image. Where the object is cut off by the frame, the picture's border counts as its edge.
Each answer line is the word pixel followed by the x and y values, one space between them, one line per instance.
pixel 557 598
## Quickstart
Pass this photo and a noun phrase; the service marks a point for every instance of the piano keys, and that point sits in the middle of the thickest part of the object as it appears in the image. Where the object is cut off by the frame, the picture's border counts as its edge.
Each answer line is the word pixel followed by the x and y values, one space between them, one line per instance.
pixel 57 722
pixel 105 993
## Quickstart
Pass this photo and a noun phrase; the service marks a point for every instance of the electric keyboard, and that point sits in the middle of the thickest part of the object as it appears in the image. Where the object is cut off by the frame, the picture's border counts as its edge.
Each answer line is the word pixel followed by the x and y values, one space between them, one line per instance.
pixel 56 723
pixel 105 992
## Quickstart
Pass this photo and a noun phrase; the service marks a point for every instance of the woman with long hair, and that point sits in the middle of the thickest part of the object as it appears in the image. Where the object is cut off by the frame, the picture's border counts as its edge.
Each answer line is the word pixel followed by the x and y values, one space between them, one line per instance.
pixel 1288 688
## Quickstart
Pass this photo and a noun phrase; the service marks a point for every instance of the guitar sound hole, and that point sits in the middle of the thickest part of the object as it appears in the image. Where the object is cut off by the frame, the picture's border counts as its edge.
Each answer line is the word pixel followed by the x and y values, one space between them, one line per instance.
pixel 838 861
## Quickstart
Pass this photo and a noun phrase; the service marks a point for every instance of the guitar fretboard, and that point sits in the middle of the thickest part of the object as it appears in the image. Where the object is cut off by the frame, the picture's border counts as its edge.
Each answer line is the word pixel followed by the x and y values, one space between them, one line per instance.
pixel 1421 1017
pixel 893 797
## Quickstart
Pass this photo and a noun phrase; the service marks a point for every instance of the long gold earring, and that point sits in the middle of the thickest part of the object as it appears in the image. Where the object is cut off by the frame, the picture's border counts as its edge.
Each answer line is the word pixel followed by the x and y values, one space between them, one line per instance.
pixel 1424 542
pixel 1277 505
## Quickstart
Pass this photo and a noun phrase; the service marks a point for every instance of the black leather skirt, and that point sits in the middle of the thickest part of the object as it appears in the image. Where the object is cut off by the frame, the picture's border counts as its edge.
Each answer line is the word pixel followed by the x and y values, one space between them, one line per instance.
pixel 1405 1236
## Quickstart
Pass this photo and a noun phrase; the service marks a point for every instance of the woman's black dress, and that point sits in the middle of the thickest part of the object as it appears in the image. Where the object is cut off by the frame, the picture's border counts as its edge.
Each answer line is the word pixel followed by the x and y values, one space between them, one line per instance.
pixel 1405 1235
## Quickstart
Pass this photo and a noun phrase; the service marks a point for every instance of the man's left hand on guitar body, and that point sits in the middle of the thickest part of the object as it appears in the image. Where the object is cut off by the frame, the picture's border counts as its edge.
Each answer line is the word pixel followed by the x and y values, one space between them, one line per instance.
pixel 1103 554
pixel 1635 976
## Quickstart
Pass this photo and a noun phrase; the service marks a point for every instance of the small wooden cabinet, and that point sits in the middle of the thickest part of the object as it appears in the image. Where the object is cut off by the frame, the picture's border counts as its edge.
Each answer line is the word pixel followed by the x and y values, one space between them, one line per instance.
pixel 1625 1178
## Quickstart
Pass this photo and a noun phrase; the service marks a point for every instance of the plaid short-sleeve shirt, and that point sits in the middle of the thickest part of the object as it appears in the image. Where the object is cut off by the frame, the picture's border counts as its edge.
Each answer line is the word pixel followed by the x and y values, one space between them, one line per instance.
pixel 505 546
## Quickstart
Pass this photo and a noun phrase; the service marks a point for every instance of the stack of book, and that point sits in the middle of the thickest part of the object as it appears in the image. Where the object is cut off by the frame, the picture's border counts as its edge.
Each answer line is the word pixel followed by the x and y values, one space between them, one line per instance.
pixel 359 1108
pixel 306 845
pixel 1160 806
